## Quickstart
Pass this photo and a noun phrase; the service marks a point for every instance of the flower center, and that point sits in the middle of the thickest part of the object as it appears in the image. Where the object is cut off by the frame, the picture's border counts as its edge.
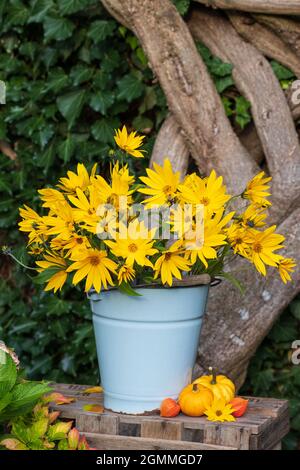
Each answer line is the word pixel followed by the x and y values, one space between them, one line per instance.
pixel 219 413
pixel 204 201
pixel 238 241
pixel 79 241
pixel 132 247
pixel 257 247
pixel 167 189
pixel 94 260
pixel 168 256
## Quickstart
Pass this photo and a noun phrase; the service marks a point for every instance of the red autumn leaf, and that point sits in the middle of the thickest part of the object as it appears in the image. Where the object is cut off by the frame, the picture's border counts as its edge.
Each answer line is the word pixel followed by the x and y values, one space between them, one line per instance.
pixel 239 406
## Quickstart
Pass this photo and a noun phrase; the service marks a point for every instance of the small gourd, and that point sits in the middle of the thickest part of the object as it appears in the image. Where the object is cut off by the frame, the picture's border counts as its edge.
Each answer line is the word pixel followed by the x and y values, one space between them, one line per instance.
pixel 195 399
pixel 221 387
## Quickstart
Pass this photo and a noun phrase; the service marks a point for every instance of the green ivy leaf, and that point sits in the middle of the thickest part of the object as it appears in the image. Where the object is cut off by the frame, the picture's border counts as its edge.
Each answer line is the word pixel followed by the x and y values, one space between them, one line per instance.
pixel 101 101
pixel 182 6
pixel 80 74
pixel 130 87
pixel 70 105
pixel 39 10
pixel 281 72
pixel 243 117
pixel 57 80
pixel 102 130
pixel 68 7
pixel 58 28
pixel 101 29
pixel 17 13
pixel 66 149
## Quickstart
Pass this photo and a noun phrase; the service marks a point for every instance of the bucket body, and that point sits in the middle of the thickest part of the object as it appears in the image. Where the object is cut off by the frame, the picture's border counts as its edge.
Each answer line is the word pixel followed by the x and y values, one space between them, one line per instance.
pixel 146 345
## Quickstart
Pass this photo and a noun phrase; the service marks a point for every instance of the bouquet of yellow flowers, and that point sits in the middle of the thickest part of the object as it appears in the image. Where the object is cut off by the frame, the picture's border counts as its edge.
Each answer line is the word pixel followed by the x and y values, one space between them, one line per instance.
pixel 121 232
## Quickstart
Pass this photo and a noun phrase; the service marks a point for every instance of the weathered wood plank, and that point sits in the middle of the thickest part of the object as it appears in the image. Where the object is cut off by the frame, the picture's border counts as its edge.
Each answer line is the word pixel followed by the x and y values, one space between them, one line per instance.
pixel 109 442
pixel 163 429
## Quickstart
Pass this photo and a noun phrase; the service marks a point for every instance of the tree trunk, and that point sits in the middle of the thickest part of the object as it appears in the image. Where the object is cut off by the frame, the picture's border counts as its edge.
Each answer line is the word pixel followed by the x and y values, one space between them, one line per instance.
pixel 286 28
pixel 275 7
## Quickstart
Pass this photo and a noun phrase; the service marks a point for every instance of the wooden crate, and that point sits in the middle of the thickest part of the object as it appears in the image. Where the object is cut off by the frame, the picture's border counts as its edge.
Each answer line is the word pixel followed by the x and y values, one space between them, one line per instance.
pixel 262 427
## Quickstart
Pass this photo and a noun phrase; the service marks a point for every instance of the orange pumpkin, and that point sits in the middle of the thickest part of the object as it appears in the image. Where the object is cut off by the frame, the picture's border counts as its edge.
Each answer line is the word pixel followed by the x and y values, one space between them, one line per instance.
pixel 195 399
pixel 221 387
pixel 169 408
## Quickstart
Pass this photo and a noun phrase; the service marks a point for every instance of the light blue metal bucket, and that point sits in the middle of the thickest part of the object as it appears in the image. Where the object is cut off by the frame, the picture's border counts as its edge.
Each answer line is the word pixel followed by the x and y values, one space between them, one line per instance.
pixel 146 345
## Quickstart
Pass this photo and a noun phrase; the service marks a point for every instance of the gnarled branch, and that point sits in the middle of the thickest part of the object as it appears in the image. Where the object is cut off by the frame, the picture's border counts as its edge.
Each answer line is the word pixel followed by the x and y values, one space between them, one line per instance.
pixel 275 7
pixel 269 108
pixel 265 40
pixel 286 28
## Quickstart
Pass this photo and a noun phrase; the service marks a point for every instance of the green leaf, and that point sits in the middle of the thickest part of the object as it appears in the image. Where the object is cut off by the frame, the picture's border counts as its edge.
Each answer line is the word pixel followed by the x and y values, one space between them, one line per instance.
pixel 70 105
pixel 8 373
pixel 182 6
pixel 101 101
pixel 223 83
pixel 101 29
pixel 66 149
pixel 235 282
pixel 126 288
pixel 39 428
pixel 80 74
pixel 56 81
pixel 45 275
pixel 17 13
pixel 24 398
pixel 243 117
pixel 68 7
pixel 58 28
pixel 281 72
pixel 45 160
pixel 130 87
pixel 39 10
pixel 103 129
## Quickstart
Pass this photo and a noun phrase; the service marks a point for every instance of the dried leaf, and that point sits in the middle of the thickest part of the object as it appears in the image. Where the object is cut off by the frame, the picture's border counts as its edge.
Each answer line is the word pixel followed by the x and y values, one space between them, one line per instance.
pixel 93 408
pixel 58 399
pixel 93 390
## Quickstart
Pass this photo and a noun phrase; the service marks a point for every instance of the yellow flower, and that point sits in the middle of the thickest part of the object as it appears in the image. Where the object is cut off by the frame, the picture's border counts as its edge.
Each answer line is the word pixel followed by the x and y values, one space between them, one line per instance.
pixel 286 266
pixel 133 244
pixel 35 250
pixel 257 190
pixel 118 193
pixel 95 266
pixel 220 411
pixel 51 197
pixel 86 208
pixel 81 179
pixel 32 223
pixel 263 245
pixel 75 243
pixel 130 143
pixel 126 274
pixel 239 239
pixel 214 237
pixel 208 191
pixel 63 224
pixel 161 184
pixel 60 276
pixel 253 216
pixel 170 263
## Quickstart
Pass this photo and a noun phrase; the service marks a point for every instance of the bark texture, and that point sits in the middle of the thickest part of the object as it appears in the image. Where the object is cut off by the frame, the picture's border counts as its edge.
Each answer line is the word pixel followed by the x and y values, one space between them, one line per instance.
pixel 268 42
pixel 287 28
pixel 234 325
pixel 170 143
pixel 269 108
pixel 275 7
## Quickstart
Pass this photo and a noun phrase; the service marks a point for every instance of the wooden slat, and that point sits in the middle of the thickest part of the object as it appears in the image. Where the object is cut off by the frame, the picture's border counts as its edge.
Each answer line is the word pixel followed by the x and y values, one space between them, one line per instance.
pixel 279 427
pixel 162 429
pixel 108 442
pixel 101 424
